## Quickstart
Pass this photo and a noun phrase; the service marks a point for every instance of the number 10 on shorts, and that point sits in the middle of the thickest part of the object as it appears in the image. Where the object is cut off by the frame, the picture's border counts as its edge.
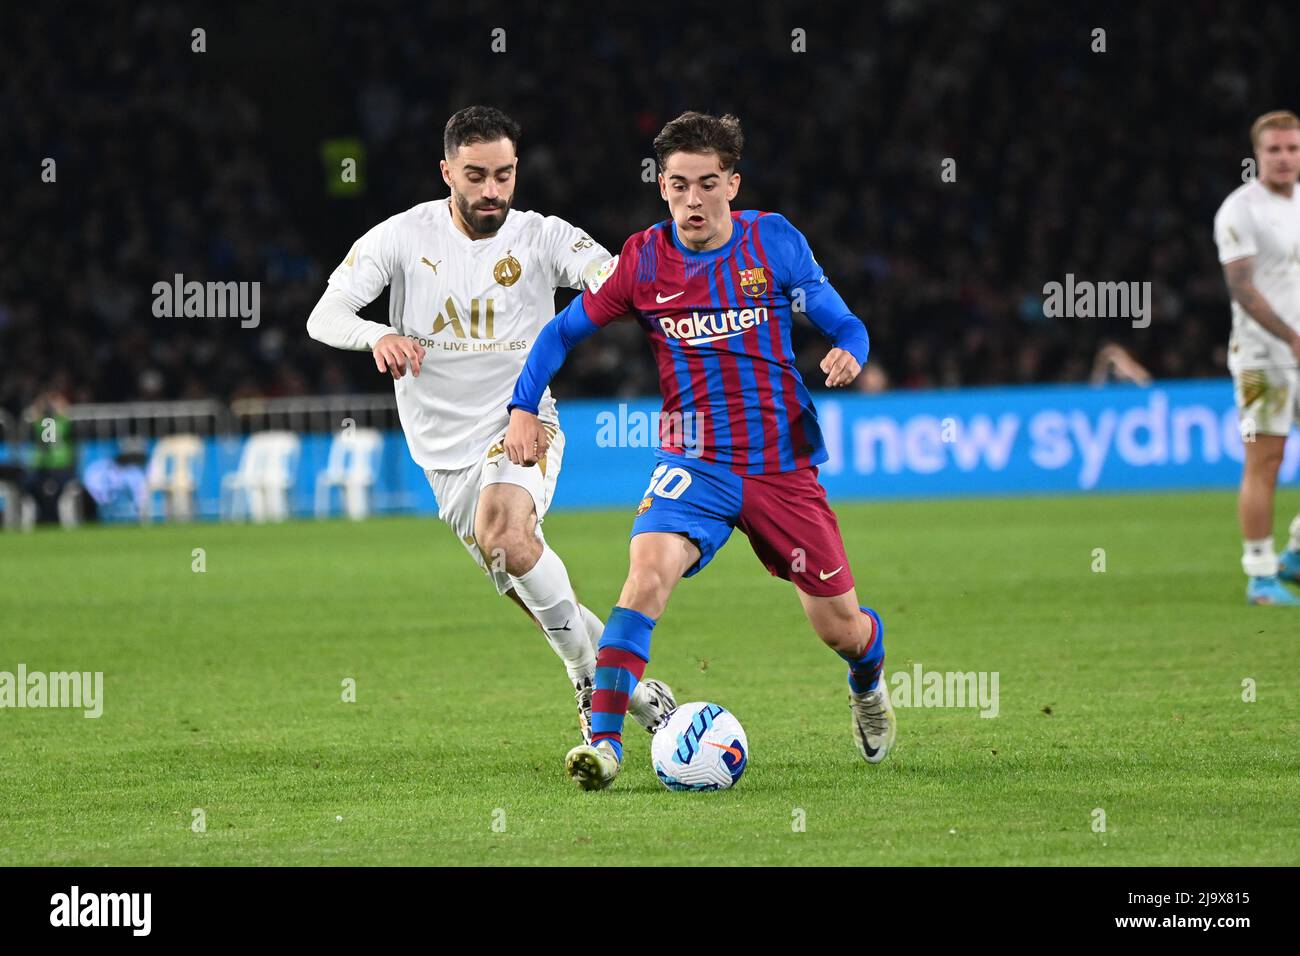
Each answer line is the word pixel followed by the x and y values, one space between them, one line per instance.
pixel 668 482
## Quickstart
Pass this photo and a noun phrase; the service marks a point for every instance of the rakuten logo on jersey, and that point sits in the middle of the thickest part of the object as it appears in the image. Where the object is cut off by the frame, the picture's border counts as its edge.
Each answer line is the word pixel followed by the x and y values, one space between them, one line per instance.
pixel 696 329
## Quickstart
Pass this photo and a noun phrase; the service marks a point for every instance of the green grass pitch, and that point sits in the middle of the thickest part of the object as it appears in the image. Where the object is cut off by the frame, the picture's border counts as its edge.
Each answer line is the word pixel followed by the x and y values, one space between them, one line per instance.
pixel 1120 691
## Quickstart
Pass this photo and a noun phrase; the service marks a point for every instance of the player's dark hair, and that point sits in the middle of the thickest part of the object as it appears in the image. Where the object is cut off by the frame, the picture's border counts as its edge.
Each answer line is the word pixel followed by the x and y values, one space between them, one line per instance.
pixel 694 132
pixel 478 124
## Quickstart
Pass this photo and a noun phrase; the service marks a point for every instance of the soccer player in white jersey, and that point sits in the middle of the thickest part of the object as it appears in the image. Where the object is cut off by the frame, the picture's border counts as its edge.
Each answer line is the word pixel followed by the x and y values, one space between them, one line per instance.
pixel 472 282
pixel 1257 230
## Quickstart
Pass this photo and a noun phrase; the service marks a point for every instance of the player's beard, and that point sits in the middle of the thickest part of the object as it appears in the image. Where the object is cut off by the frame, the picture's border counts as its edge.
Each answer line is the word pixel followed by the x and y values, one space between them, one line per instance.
pixel 479 223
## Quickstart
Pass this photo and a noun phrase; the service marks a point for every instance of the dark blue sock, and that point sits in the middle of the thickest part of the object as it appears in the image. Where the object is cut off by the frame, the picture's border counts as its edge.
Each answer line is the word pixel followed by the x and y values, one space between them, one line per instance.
pixel 864 671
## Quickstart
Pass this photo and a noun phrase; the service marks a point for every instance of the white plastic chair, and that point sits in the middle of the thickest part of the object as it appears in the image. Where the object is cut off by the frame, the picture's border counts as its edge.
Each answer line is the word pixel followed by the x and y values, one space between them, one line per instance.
pixel 174 470
pixel 353 466
pixel 264 478
pixel 70 504
pixel 11 503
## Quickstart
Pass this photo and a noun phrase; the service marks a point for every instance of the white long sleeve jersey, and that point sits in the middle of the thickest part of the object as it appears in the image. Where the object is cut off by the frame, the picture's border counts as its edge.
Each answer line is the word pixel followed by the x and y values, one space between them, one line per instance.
pixel 475 305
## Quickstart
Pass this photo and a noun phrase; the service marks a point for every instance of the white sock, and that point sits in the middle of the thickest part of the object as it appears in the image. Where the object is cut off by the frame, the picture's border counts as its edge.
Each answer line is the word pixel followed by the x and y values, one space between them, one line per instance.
pixel 595 627
pixel 546 591
pixel 1258 558
pixel 1294 543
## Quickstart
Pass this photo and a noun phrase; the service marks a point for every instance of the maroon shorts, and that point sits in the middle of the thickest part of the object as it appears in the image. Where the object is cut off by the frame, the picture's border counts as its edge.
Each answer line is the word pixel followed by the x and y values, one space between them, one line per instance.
pixel 794 532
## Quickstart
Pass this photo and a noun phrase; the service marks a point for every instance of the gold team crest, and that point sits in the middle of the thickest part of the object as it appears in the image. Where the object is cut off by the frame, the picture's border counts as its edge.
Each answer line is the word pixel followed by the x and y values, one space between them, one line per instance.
pixel 644 506
pixel 753 282
pixel 507 270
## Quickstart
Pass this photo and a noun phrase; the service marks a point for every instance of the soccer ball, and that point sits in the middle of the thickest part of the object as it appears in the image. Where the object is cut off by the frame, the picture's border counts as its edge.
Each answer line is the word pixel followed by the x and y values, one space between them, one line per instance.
pixel 702 747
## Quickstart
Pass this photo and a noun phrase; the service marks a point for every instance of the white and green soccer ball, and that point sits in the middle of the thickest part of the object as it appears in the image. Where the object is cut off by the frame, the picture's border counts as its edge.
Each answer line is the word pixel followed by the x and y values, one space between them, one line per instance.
pixel 702 747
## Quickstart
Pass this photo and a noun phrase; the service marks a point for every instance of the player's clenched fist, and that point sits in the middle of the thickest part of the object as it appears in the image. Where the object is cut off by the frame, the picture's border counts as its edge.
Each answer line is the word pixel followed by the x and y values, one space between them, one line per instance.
pixel 394 352
pixel 526 439
pixel 840 368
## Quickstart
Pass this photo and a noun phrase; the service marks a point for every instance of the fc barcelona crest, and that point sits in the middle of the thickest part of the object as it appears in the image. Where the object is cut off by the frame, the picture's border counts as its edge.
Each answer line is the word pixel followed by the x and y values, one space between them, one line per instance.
pixel 753 282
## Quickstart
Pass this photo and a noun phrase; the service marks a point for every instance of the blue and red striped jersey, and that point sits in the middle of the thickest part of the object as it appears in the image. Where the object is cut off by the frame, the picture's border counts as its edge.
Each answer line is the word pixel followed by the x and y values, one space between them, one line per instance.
pixel 719 324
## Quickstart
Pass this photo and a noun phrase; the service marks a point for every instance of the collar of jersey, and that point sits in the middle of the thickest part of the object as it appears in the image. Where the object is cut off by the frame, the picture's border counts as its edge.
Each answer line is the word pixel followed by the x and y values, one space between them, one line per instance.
pixel 1269 194
pixel 737 228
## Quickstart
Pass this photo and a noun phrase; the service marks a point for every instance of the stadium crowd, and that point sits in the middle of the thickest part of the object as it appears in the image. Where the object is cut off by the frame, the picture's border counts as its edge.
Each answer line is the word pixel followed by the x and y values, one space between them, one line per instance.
pixel 847 138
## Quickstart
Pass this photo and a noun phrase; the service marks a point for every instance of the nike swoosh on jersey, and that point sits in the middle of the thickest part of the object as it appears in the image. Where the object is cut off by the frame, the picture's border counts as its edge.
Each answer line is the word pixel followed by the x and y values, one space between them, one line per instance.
pixel 661 299
pixel 826 577
pixel 714 338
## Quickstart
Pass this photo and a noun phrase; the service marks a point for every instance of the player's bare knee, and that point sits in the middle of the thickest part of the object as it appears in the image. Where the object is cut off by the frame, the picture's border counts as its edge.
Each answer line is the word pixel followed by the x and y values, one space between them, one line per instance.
pixel 489 534
pixel 646 589
pixel 521 554
pixel 1265 461
pixel 508 547
pixel 1265 453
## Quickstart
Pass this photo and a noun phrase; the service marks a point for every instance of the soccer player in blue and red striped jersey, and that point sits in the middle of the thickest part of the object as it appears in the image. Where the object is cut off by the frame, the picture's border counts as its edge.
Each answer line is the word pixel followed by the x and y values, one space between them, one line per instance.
pixel 715 290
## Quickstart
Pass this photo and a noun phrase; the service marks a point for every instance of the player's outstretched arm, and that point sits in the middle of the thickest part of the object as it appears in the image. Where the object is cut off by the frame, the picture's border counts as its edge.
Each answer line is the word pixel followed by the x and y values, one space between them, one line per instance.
pixel 335 322
pixel 359 279
pixel 846 332
pixel 526 440
pixel 812 294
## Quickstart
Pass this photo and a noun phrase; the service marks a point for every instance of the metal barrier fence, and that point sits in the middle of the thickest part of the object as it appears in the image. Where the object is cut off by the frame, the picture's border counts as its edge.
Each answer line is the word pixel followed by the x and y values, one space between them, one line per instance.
pixel 213 437
pixel 326 413
pixel 146 420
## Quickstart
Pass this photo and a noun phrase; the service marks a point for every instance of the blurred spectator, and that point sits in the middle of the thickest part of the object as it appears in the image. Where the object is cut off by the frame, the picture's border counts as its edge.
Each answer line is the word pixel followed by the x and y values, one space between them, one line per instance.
pixel 53 461
pixel 1060 160
pixel 1113 362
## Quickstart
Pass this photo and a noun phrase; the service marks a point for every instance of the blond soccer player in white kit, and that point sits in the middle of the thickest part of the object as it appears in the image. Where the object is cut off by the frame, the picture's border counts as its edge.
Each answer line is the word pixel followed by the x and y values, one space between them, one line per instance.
pixel 471 284
pixel 1257 230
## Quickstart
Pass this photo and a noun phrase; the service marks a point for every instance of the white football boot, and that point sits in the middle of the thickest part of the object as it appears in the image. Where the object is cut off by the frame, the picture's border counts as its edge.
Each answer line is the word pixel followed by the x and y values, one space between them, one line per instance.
pixel 592 768
pixel 582 690
pixel 874 725
pixel 651 704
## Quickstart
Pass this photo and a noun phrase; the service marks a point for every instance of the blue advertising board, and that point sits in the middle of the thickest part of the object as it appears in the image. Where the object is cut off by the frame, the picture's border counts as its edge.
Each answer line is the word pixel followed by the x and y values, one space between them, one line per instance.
pixel 903 444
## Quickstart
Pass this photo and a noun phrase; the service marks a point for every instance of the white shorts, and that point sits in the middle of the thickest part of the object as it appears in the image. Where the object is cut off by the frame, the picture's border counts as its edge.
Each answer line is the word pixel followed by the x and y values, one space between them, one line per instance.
pixel 1268 400
pixel 458 492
